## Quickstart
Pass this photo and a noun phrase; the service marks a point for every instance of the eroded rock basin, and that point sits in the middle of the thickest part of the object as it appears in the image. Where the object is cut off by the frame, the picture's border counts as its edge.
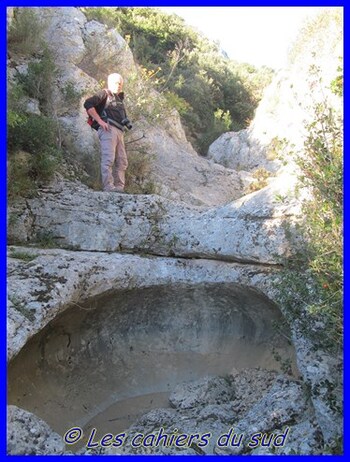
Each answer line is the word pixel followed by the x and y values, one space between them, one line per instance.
pixel 109 361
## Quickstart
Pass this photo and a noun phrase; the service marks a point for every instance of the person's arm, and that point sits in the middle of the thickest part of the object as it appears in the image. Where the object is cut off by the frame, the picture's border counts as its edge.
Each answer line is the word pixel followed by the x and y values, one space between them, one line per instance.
pixel 94 114
pixel 90 104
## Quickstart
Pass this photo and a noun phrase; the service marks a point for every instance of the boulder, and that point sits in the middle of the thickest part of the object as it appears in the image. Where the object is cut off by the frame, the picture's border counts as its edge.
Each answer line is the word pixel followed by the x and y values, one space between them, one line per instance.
pixel 241 152
pixel 303 438
pixel 284 405
pixel 182 175
pixel 209 390
pixel 27 434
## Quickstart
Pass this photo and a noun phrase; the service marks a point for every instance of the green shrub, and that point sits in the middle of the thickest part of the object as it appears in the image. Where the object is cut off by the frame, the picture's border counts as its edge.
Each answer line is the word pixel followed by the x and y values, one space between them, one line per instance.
pixel 145 103
pixel 19 179
pixel 71 95
pixel 35 136
pixel 46 240
pixel 311 287
pixel 33 155
pixel 276 149
pixel 221 123
pixel 175 101
pixel 25 35
pixel 23 255
pixel 33 133
pixel 260 176
pixel 45 164
pixel 38 82
pixel 15 107
pixel 138 175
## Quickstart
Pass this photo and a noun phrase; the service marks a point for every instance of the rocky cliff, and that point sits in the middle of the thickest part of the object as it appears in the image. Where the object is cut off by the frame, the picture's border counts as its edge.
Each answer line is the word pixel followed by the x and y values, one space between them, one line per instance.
pixel 288 105
pixel 85 53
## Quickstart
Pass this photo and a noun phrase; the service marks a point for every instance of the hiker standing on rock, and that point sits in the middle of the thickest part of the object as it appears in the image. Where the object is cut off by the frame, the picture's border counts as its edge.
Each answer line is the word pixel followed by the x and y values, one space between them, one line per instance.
pixel 107 115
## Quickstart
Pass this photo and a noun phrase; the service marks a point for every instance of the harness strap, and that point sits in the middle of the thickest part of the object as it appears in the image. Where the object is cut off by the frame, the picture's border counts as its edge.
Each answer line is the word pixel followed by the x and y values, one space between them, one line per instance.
pixel 116 124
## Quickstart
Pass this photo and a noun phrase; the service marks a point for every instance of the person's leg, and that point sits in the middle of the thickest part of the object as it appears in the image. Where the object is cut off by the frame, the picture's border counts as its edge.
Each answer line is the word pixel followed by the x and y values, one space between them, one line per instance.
pixel 108 140
pixel 121 163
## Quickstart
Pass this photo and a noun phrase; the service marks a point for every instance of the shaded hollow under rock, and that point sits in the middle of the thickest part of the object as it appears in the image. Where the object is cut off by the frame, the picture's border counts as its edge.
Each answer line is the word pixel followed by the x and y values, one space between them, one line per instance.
pixel 109 361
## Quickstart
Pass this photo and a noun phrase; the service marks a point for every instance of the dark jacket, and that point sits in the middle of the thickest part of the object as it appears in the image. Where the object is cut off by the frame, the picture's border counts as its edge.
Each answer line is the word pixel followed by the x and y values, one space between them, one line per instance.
pixel 112 104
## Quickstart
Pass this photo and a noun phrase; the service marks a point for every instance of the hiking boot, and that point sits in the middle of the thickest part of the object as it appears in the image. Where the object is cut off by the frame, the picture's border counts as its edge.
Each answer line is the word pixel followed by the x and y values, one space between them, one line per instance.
pixel 120 191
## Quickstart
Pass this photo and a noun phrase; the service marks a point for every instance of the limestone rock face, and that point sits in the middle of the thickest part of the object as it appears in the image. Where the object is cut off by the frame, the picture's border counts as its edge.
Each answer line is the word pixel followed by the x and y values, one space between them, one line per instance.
pixel 41 288
pixel 106 52
pixel 284 403
pixel 185 176
pixel 205 391
pixel 324 376
pixel 222 425
pixel 27 434
pixel 85 53
pixel 302 438
pixel 248 230
pixel 64 33
pixel 288 103
pixel 241 151
pixel 201 229
pixel 9 14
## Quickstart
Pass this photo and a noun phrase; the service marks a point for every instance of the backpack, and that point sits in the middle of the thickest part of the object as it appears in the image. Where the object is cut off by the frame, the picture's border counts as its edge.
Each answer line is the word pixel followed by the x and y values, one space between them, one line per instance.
pixel 99 109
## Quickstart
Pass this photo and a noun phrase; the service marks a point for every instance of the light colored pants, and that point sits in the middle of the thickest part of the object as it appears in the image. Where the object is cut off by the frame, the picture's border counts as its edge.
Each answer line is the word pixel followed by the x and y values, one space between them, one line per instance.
pixel 114 161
